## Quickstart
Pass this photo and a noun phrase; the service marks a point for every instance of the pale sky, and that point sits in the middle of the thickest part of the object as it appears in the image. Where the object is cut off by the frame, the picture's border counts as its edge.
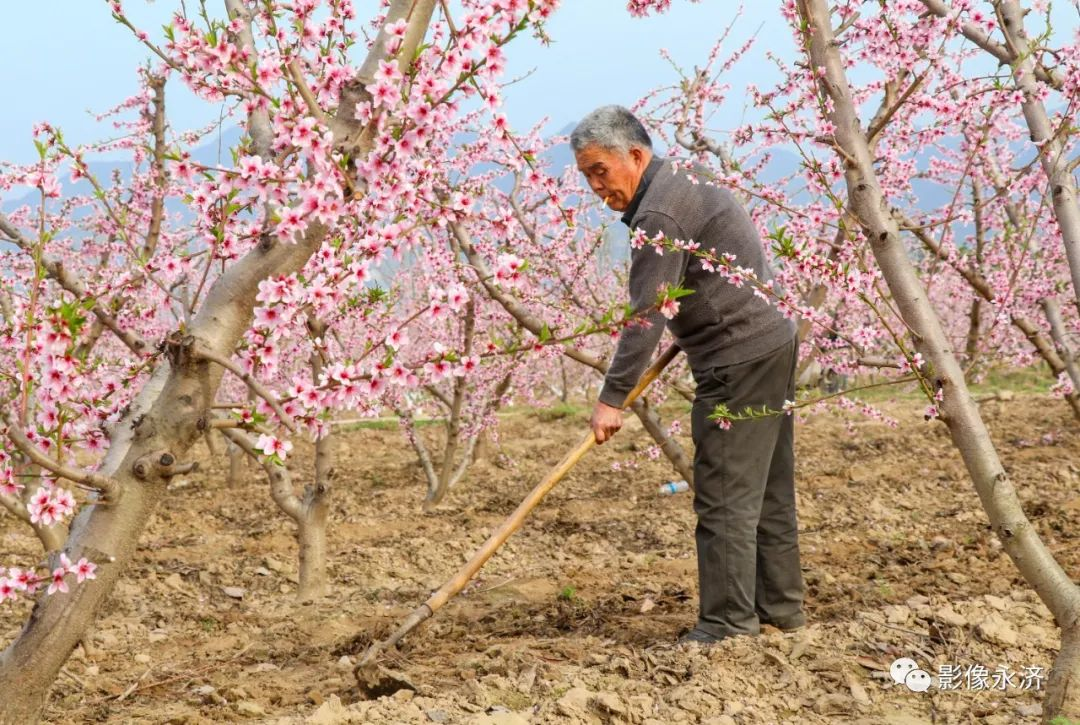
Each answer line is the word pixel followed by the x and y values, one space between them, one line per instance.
pixel 61 58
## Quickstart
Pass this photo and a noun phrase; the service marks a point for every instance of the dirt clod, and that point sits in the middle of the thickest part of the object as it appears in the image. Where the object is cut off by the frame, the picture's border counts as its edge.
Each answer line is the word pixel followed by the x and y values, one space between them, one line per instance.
pixel 995 628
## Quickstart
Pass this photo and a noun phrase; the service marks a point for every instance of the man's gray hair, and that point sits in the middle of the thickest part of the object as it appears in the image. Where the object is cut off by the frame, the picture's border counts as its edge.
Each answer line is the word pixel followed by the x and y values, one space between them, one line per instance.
pixel 610 127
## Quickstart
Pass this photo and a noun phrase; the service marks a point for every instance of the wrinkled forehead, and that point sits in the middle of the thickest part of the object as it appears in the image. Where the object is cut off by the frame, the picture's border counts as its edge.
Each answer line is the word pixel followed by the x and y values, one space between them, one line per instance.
pixel 594 155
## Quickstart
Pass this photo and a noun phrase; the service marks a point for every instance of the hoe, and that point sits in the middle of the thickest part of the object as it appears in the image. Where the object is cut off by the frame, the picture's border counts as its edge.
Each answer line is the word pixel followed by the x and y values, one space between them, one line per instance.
pixel 367 671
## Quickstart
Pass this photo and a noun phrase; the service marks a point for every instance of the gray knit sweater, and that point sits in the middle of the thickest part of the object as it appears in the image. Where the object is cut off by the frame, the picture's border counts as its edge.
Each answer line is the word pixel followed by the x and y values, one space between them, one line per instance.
pixel 719 324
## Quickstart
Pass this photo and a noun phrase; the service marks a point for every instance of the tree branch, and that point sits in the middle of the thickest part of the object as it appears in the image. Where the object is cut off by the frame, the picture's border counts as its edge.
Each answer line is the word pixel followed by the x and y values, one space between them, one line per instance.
pixel 421 449
pixel 305 92
pixel 254 385
pixel 109 488
pixel 980 38
pixel 157 208
pixel 281 488
pixel 258 124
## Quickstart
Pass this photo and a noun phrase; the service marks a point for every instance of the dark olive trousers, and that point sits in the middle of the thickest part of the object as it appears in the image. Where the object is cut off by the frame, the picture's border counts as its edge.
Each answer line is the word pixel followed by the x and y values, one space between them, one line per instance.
pixel 744 477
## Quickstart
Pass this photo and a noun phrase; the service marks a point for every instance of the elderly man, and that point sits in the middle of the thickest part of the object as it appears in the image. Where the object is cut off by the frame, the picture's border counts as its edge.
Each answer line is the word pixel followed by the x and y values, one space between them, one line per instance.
pixel 742 352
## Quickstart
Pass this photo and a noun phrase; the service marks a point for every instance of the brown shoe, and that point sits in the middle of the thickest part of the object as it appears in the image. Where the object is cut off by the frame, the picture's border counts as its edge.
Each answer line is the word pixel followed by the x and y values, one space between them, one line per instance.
pixel 698 636
pixel 788 624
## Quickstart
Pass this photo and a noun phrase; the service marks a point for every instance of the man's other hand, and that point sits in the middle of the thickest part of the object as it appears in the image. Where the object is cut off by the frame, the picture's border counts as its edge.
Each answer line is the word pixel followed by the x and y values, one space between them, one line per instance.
pixel 605 422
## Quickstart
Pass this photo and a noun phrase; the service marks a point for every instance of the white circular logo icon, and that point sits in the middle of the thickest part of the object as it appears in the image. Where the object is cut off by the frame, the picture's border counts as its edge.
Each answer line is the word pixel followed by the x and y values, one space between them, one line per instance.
pixel 918 680
pixel 900 669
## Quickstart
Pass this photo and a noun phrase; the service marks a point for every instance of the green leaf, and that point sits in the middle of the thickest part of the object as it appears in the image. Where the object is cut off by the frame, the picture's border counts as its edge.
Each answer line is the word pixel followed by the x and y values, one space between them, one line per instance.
pixel 376 294
pixel 720 412
pixel 71 314
pixel 784 244
pixel 675 293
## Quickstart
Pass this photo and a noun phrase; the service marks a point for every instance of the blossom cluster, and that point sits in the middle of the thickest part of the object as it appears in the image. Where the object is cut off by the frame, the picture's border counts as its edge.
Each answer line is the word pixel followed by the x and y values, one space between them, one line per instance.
pixel 15 582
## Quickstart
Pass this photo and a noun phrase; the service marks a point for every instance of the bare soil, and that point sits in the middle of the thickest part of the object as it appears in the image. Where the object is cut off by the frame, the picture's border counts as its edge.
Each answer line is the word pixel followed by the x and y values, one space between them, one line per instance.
pixel 573 620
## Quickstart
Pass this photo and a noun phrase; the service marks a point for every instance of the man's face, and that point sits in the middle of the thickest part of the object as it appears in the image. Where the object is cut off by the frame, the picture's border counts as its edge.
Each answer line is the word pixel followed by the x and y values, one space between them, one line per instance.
pixel 613 175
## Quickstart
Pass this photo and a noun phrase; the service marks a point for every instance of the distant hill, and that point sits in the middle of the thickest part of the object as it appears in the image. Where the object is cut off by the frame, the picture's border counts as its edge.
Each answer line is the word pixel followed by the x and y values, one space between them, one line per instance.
pixel 213 152
pixel 782 163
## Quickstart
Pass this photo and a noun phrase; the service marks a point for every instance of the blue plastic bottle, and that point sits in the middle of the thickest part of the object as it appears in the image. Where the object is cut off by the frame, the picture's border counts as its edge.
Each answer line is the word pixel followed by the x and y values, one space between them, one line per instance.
pixel 672 487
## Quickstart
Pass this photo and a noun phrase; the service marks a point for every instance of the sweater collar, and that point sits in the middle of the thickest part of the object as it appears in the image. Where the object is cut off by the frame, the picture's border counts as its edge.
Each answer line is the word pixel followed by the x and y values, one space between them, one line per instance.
pixel 643 185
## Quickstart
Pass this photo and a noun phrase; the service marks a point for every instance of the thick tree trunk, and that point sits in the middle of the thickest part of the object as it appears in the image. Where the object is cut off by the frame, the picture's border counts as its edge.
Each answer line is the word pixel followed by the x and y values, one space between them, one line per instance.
pixel 564 393
pixel 236 464
pixel 313 581
pixel 312 521
pixel 52 538
pixel 161 425
pixel 482 449
pixel 310 512
pixel 1063 686
pixel 107 535
pixel 971 345
pixel 959 411
pixel 438 488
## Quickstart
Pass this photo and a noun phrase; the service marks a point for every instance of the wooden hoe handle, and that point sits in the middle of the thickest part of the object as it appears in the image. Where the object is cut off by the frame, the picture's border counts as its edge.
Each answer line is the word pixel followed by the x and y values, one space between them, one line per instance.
pixel 455 584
